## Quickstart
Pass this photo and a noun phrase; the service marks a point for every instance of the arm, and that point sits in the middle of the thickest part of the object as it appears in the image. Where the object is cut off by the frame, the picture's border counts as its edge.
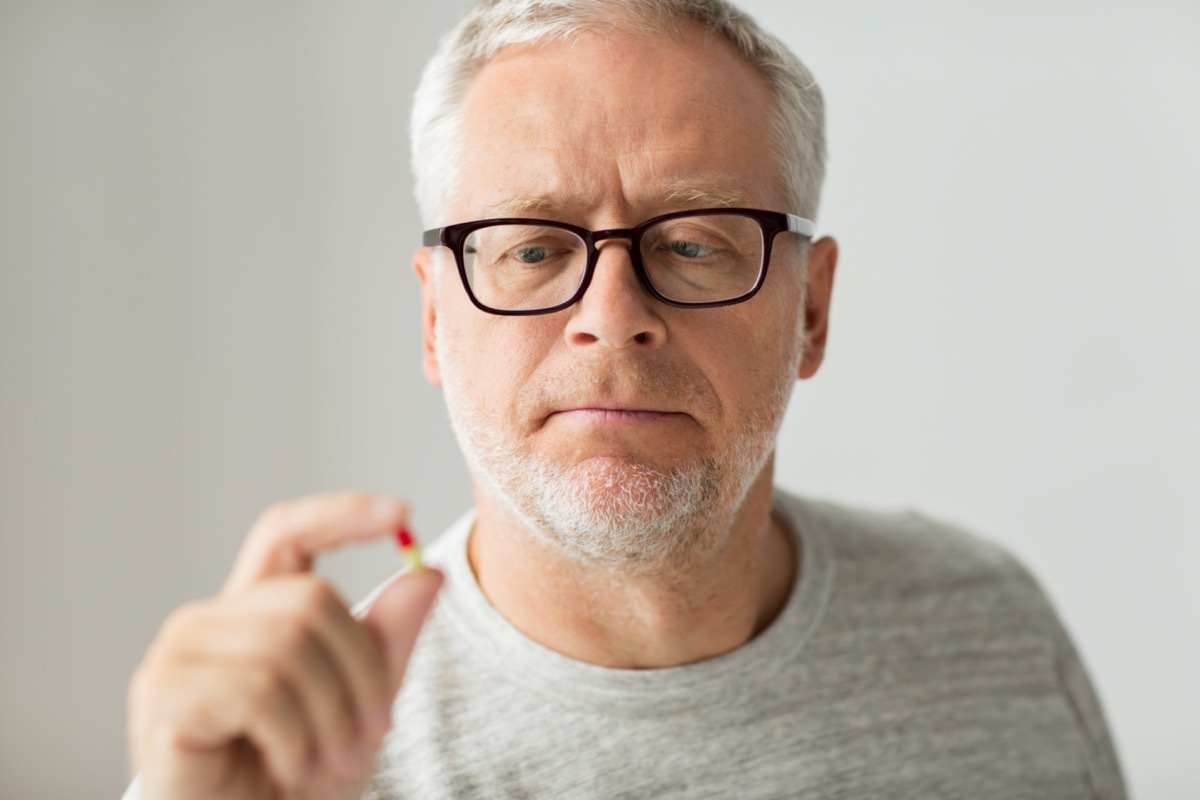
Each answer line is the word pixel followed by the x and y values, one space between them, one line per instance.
pixel 1104 770
pixel 1103 766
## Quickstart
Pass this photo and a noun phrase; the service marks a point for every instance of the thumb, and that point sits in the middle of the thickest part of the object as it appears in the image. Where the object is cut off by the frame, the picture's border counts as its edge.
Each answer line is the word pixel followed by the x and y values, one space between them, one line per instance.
pixel 396 617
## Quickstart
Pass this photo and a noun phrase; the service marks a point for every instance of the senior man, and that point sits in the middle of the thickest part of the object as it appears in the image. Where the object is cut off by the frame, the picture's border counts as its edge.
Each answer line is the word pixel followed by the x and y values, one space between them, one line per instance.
pixel 620 288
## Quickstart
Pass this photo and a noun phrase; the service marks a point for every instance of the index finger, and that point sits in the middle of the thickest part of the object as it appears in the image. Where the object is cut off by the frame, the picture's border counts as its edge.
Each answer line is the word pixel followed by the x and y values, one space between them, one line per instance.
pixel 288 536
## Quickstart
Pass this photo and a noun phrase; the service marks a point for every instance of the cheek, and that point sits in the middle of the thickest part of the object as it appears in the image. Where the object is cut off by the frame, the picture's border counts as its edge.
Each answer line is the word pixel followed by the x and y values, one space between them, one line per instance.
pixel 756 355
pixel 782 320
pixel 512 348
pixel 767 326
pixel 487 355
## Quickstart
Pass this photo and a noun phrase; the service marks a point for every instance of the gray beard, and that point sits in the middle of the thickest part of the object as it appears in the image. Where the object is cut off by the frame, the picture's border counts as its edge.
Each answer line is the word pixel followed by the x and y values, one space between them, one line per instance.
pixel 611 511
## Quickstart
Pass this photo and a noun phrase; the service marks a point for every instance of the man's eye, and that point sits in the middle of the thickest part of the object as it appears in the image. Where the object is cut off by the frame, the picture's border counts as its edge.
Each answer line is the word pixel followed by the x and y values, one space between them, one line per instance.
pixel 689 249
pixel 531 255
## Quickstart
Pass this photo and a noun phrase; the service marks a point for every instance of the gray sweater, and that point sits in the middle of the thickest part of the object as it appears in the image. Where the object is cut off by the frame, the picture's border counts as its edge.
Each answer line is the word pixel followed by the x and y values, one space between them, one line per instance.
pixel 912 660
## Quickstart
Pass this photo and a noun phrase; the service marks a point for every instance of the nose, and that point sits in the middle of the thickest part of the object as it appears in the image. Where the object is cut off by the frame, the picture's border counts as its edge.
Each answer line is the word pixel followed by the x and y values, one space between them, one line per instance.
pixel 616 310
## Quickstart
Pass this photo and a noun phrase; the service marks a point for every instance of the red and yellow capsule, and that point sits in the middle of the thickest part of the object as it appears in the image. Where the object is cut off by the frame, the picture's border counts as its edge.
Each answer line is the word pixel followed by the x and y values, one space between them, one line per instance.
pixel 410 551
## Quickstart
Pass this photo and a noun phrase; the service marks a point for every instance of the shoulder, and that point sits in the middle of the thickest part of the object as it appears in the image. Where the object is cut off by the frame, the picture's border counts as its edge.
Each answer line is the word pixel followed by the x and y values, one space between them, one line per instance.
pixel 902 555
pixel 875 534
pixel 934 610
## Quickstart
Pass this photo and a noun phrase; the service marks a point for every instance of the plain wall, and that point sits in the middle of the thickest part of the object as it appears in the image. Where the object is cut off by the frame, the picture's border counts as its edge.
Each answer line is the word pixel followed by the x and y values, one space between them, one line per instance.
pixel 206 304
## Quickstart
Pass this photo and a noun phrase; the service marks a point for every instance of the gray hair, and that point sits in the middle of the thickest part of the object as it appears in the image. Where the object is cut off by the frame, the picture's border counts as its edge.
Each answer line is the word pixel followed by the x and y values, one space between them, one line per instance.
pixel 798 129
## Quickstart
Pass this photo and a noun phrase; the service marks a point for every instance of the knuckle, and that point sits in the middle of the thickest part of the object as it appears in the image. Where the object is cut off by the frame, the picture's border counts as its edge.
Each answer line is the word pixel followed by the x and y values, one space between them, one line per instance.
pixel 144 685
pixel 295 636
pixel 177 631
pixel 315 596
pixel 274 516
pixel 265 689
pixel 180 621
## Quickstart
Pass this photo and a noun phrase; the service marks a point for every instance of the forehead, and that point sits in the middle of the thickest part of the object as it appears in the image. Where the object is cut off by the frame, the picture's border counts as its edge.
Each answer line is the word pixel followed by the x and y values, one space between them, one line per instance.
pixel 619 124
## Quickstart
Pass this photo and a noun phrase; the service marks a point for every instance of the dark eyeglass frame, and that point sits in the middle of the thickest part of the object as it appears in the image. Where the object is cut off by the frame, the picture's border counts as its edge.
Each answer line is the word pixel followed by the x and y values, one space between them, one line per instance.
pixel 772 223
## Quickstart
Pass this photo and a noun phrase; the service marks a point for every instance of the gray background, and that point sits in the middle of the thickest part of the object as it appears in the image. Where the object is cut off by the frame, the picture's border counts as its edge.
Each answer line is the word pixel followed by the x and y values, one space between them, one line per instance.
pixel 206 305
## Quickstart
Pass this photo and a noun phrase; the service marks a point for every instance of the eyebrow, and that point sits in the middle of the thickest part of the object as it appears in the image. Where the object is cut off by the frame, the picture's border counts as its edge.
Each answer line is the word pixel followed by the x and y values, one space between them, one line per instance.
pixel 701 197
pixel 515 206
pixel 675 196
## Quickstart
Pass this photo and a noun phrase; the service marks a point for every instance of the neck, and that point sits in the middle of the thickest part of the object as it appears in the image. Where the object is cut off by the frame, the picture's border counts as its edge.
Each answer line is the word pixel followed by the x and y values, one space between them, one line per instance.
pixel 598 613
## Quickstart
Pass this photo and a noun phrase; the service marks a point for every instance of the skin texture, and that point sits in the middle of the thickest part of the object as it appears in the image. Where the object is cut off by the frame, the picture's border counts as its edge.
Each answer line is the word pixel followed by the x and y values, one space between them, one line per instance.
pixel 605 133
pixel 272 689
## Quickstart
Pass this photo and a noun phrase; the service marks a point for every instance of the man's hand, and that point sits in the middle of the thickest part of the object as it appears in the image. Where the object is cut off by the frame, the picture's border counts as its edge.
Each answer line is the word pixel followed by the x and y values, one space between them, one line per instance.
pixel 272 689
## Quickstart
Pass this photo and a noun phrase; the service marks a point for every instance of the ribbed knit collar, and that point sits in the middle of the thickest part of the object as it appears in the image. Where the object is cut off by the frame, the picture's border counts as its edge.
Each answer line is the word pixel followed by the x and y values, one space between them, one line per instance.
pixel 751 670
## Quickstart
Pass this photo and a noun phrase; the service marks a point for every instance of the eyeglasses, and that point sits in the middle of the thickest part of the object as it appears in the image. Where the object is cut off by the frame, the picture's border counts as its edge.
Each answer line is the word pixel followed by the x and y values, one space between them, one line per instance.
pixel 690 259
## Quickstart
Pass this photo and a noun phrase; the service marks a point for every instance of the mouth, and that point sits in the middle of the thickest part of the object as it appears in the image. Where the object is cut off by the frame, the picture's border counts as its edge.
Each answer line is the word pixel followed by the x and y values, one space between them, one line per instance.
pixel 608 415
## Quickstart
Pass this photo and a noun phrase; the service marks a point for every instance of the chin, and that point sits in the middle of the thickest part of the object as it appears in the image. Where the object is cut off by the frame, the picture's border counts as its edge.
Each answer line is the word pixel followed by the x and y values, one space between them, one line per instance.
pixel 614 511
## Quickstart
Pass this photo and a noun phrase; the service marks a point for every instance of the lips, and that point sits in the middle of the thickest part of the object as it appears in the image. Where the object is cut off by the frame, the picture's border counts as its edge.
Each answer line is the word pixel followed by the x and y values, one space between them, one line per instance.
pixel 637 388
pixel 616 409
pixel 607 415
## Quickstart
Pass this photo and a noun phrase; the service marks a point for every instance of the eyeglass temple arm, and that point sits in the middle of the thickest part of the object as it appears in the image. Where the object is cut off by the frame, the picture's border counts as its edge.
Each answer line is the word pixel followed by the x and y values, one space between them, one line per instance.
pixel 800 225
pixel 432 238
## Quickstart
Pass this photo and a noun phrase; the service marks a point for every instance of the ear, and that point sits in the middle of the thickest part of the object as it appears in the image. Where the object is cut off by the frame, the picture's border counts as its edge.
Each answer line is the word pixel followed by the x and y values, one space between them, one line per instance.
pixel 822 262
pixel 427 273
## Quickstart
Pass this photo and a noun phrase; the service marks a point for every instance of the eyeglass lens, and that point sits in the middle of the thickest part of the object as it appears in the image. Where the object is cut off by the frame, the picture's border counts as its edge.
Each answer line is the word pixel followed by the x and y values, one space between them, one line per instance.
pixel 692 259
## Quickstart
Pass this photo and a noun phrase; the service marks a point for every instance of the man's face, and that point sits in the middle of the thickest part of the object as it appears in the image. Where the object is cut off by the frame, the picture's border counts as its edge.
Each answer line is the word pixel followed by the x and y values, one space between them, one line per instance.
pixel 612 424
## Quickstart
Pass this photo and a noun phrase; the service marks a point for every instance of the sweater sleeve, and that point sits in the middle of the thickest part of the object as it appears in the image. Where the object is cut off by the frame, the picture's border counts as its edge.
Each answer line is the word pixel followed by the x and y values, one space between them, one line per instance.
pixel 1103 766
pixel 1104 770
